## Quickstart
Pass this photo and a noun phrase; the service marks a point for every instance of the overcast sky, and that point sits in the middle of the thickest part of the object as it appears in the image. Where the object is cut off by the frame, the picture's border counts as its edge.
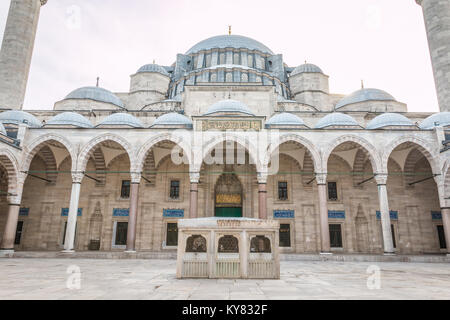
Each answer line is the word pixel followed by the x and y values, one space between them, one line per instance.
pixel 382 42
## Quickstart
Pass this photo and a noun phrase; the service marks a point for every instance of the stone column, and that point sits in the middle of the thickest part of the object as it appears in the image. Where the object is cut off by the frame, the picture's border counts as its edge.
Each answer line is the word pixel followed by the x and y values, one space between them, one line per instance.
pixel 9 233
pixel 388 243
pixel 132 217
pixel 437 22
pixel 69 241
pixel 262 195
pixel 445 208
pixel 321 179
pixel 446 223
pixel 193 208
pixel 17 50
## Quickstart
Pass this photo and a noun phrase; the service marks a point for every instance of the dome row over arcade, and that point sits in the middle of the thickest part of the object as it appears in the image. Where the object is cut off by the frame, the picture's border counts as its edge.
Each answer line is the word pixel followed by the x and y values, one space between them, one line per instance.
pixel 225 107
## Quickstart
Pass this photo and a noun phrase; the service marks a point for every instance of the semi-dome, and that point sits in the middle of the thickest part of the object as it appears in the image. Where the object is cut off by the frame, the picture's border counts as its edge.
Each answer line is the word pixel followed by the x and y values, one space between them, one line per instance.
pixel 306 68
pixel 121 119
pixel 96 94
pixel 366 94
pixel 153 68
pixel 172 119
pixel 229 106
pixel 229 41
pixel 285 119
pixel 18 117
pixel 2 129
pixel 70 119
pixel 436 120
pixel 388 120
pixel 336 119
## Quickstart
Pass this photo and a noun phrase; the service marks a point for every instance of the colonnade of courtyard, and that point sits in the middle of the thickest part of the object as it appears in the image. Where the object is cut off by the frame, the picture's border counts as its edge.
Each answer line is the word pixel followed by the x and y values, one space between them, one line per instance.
pixel 53 172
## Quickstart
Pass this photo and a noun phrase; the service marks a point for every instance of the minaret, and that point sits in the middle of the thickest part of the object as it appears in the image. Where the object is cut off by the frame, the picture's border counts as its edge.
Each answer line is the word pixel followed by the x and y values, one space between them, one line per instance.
pixel 437 22
pixel 16 51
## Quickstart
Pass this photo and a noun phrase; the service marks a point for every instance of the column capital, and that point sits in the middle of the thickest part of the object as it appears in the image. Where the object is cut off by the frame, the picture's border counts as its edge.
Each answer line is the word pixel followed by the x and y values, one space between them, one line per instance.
pixel 135 177
pixel 321 178
pixel 262 177
pixel 194 177
pixel 381 178
pixel 77 177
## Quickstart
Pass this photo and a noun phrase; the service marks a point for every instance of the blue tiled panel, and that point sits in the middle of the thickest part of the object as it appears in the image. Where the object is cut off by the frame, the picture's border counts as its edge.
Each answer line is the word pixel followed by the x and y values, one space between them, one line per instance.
pixel 24 212
pixel 118 212
pixel 286 214
pixel 65 212
pixel 333 214
pixel 173 213
pixel 392 214
pixel 436 215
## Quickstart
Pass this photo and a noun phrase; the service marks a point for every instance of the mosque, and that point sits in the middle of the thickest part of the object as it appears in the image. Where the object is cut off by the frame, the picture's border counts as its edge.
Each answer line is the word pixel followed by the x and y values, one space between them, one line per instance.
pixel 227 130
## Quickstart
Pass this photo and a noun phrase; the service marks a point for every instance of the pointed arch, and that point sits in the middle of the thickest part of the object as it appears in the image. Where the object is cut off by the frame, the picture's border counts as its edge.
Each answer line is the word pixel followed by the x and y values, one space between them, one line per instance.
pixel 218 138
pixel 34 147
pixel 179 140
pixel 366 146
pixel 90 147
pixel 420 144
pixel 312 152
pixel 10 164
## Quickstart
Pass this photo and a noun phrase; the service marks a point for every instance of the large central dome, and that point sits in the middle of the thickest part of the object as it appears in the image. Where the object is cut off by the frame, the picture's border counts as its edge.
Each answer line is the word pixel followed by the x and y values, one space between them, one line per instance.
pixel 229 41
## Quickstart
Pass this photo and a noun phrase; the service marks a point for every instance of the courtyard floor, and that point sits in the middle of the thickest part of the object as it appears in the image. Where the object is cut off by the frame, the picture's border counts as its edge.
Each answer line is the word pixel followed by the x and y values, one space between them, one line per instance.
pixel 155 279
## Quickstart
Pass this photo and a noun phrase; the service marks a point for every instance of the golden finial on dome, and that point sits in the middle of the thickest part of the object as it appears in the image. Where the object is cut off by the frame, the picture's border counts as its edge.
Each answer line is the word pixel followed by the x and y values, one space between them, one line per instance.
pixel 229 30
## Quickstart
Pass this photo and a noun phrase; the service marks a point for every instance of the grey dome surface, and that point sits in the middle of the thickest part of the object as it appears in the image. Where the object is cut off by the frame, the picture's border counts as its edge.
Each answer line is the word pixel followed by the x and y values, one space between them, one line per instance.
pixel 306 68
pixel 285 119
pixel 173 118
pixel 436 120
pixel 122 119
pixel 2 129
pixel 229 106
pixel 336 119
pixel 389 119
pixel 229 41
pixel 18 116
pixel 365 95
pixel 153 68
pixel 96 94
pixel 71 119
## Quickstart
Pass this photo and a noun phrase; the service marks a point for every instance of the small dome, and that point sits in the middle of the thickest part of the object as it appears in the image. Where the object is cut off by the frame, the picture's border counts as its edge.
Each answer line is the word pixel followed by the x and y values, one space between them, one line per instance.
pixel 153 68
pixel 121 119
pixel 18 116
pixel 229 106
pixel 96 94
pixel 172 119
pixel 2 129
pixel 285 119
pixel 365 95
pixel 389 119
pixel 70 119
pixel 441 119
pixel 336 119
pixel 306 68
pixel 229 41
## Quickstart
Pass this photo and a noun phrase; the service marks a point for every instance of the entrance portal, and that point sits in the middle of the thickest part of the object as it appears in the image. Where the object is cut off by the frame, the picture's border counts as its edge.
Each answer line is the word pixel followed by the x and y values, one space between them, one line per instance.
pixel 228 196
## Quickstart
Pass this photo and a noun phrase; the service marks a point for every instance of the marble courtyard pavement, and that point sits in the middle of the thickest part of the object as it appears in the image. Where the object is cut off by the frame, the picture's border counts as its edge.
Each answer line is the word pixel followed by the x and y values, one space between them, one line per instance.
pixel 155 279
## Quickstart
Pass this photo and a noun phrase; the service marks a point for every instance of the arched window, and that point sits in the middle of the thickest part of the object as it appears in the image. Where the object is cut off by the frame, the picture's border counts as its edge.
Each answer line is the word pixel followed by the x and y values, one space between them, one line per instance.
pixel 196 243
pixel 228 244
pixel 260 244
